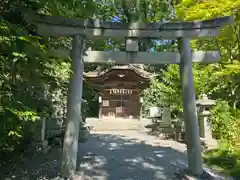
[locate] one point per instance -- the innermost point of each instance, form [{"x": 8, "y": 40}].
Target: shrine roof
[{"x": 144, "y": 74}]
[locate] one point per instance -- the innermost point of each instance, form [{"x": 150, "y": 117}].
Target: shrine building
[{"x": 119, "y": 90}]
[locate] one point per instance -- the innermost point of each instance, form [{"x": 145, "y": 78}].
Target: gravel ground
[{"x": 33, "y": 167}]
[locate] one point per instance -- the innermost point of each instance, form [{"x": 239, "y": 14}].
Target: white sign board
[
  {"x": 120, "y": 91},
  {"x": 155, "y": 111},
  {"x": 105, "y": 103}
]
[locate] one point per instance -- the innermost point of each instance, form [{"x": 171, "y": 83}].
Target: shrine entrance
[
  {"x": 122, "y": 105},
  {"x": 131, "y": 32},
  {"x": 120, "y": 88}
]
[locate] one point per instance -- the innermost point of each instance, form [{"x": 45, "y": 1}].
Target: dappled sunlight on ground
[
  {"x": 113, "y": 157},
  {"x": 127, "y": 153}
]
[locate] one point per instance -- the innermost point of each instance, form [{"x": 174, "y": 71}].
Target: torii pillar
[
  {"x": 189, "y": 108},
  {"x": 74, "y": 106}
]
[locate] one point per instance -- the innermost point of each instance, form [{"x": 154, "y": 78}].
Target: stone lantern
[{"x": 204, "y": 104}]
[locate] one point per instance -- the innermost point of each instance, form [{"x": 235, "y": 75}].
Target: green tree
[
  {"x": 220, "y": 81},
  {"x": 33, "y": 85}
]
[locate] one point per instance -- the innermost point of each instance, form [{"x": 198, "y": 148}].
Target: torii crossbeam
[
  {"x": 60, "y": 26},
  {"x": 80, "y": 29}
]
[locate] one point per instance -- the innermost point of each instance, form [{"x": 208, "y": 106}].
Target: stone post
[
  {"x": 39, "y": 130},
  {"x": 166, "y": 116},
  {"x": 70, "y": 145},
  {"x": 205, "y": 128},
  {"x": 195, "y": 164}
]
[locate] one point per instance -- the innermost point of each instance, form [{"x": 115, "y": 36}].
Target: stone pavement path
[
  {"x": 119, "y": 150},
  {"x": 128, "y": 155}
]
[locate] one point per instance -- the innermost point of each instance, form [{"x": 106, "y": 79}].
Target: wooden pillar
[
  {"x": 100, "y": 107},
  {"x": 100, "y": 111},
  {"x": 189, "y": 107},
  {"x": 141, "y": 107},
  {"x": 70, "y": 145}
]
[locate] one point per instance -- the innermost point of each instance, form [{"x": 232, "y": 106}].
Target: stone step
[{"x": 115, "y": 126}]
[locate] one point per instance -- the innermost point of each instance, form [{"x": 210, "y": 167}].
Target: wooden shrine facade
[{"x": 119, "y": 91}]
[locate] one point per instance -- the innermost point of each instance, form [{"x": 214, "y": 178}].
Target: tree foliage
[
  {"x": 33, "y": 85},
  {"x": 223, "y": 79},
  {"x": 219, "y": 81}
]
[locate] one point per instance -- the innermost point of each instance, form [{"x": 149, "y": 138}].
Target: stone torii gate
[{"x": 81, "y": 29}]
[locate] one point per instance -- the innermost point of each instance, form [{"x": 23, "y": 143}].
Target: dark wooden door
[
  {"x": 122, "y": 106},
  {"x": 121, "y": 112}
]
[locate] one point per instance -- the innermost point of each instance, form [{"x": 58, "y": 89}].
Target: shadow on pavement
[
  {"x": 118, "y": 157},
  {"x": 102, "y": 157}
]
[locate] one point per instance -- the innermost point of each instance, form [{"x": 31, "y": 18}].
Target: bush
[
  {"x": 224, "y": 161},
  {"x": 224, "y": 125},
  {"x": 13, "y": 130}
]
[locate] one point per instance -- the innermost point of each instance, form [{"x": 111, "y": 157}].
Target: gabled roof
[{"x": 144, "y": 74}]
